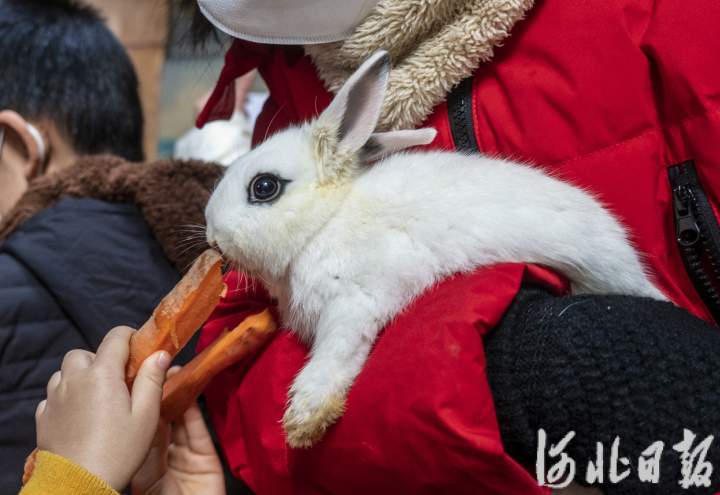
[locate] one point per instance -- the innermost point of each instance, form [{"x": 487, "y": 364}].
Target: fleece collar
[
  {"x": 170, "y": 194},
  {"x": 434, "y": 45}
]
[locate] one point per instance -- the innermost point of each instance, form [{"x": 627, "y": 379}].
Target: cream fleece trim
[{"x": 434, "y": 45}]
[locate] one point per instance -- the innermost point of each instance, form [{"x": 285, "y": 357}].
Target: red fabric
[
  {"x": 296, "y": 94},
  {"x": 420, "y": 417},
  {"x": 606, "y": 95},
  {"x": 239, "y": 60}
]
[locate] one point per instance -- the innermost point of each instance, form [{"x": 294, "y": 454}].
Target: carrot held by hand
[
  {"x": 180, "y": 314},
  {"x": 173, "y": 323},
  {"x": 185, "y": 386}
]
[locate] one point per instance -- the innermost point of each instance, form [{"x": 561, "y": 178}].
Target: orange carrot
[
  {"x": 180, "y": 314},
  {"x": 185, "y": 386}
]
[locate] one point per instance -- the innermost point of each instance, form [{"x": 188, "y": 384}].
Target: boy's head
[{"x": 66, "y": 75}]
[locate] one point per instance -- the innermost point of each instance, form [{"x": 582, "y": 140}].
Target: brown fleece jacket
[{"x": 171, "y": 195}]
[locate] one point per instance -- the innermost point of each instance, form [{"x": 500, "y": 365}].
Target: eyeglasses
[{"x": 2, "y": 139}]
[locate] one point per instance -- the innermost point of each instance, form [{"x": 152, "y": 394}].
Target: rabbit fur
[{"x": 344, "y": 245}]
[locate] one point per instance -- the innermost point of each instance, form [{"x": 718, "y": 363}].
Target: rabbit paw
[{"x": 305, "y": 421}]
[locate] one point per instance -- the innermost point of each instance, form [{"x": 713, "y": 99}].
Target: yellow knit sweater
[{"x": 55, "y": 475}]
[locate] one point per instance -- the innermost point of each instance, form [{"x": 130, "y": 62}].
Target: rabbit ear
[
  {"x": 355, "y": 110},
  {"x": 381, "y": 144}
]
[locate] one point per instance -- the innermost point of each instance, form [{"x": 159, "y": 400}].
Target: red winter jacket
[{"x": 610, "y": 96}]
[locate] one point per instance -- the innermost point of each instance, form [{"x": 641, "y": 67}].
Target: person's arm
[
  {"x": 91, "y": 419},
  {"x": 93, "y": 435},
  {"x": 57, "y": 475},
  {"x": 607, "y": 368},
  {"x": 182, "y": 459}
]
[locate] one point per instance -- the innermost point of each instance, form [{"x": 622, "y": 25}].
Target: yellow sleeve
[{"x": 55, "y": 475}]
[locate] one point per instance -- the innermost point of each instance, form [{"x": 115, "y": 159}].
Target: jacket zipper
[
  {"x": 696, "y": 228},
  {"x": 460, "y": 115},
  {"x": 697, "y": 233}
]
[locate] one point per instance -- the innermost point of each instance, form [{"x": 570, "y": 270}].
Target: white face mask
[{"x": 287, "y": 22}]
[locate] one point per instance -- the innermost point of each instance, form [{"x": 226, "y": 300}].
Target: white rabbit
[{"x": 344, "y": 245}]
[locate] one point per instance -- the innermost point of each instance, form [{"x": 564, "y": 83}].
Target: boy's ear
[
  {"x": 381, "y": 144},
  {"x": 28, "y": 141},
  {"x": 355, "y": 110}
]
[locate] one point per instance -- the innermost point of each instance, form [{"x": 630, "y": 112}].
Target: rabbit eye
[{"x": 265, "y": 188}]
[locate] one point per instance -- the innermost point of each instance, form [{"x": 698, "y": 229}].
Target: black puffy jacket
[{"x": 89, "y": 249}]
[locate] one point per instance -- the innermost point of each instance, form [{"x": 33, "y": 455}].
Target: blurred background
[{"x": 175, "y": 76}]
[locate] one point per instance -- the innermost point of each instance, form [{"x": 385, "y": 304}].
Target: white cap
[{"x": 287, "y": 22}]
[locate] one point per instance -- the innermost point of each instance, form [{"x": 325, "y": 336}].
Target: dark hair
[
  {"x": 201, "y": 30},
  {"x": 59, "y": 61}
]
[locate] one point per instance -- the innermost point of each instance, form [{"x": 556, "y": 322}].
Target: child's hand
[
  {"x": 90, "y": 417},
  {"x": 182, "y": 460}
]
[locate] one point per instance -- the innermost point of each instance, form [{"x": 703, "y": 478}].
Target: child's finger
[
  {"x": 198, "y": 436},
  {"x": 77, "y": 359},
  {"x": 147, "y": 388},
  {"x": 40, "y": 408},
  {"x": 155, "y": 464},
  {"x": 114, "y": 349},
  {"x": 179, "y": 434},
  {"x": 53, "y": 382}
]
